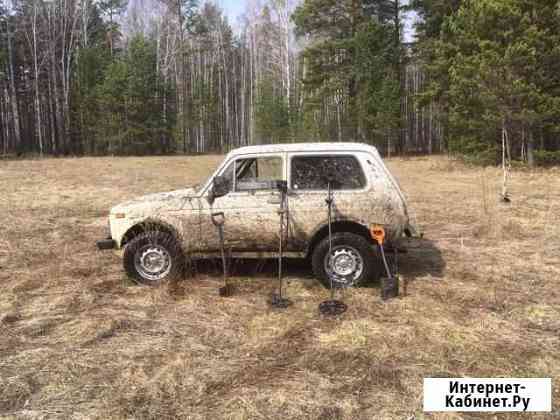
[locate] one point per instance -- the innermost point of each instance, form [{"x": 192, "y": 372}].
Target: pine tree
[
  {"x": 354, "y": 47},
  {"x": 500, "y": 51}
]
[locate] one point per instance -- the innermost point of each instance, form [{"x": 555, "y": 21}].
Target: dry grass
[{"x": 78, "y": 339}]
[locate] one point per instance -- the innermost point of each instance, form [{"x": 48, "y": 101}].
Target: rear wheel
[
  {"x": 152, "y": 258},
  {"x": 351, "y": 262}
]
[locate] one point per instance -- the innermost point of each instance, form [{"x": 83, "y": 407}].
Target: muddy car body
[{"x": 158, "y": 231}]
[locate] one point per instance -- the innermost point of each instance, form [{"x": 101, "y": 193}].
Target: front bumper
[{"x": 106, "y": 244}]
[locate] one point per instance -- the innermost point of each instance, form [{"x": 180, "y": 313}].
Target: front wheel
[
  {"x": 351, "y": 262},
  {"x": 152, "y": 258}
]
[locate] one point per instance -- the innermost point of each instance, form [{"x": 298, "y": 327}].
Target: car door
[
  {"x": 309, "y": 176},
  {"x": 250, "y": 208}
]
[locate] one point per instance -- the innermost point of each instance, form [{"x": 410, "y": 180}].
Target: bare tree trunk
[
  {"x": 506, "y": 160},
  {"x": 51, "y": 115},
  {"x": 226, "y": 83},
  {"x": 430, "y": 130},
  {"x": 252, "y": 78},
  {"x": 181, "y": 71},
  {"x": 531, "y": 149},
  {"x": 4, "y": 119},
  {"x": 58, "y": 106},
  {"x": 399, "y": 66},
  {"x": 38, "y": 127},
  {"x": 242, "y": 136},
  {"x": 339, "y": 117},
  {"x": 70, "y": 12},
  {"x": 13, "y": 93}
]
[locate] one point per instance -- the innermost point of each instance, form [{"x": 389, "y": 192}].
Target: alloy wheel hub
[
  {"x": 345, "y": 265},
  {"x": 153, "y": 262}
]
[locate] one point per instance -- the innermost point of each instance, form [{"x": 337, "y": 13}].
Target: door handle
[{"x": 274, "y": 199}]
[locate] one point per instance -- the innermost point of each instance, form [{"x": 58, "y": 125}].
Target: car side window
[
  {"x": 253, "y": 174},
  {"x": 344, "y": 172}
]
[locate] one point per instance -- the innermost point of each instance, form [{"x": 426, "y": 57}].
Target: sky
[{"x": 234, "y": 9}]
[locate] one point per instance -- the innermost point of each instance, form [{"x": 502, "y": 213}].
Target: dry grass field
[{"x": 80, "y": 340}]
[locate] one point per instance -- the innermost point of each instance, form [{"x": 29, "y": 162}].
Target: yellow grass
[{"x": 77, "y": 338}]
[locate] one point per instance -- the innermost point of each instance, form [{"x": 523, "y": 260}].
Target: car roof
[{"x": 305, "y": 147}]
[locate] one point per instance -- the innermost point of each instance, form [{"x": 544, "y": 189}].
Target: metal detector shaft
[
  {"x": 331, "y": 307},
  {"x": 223, "y": 251},
  {"x": 218, "y": 219},
  {"x": 329, "y": 218},
  {"x": 389, "y": 284},
  {"x": 278, "y": 300},
  {"x": 281, "y": 245}
]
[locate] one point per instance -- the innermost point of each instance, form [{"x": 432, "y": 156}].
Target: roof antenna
[
  {"x": 278, "y": 300},
  {"x": 331, "y": 307}
]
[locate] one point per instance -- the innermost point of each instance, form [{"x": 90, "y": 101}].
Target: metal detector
[
  {"x": 331, "y": 307},
  {"x": 278, "y": 300},
  {"x": 389, "y": 284},
  {"x": 218, "y": 219}
]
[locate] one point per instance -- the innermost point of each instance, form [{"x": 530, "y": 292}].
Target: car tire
[
  {"x": 357, "y": 261},
  {"x": 153, "y": 258}
]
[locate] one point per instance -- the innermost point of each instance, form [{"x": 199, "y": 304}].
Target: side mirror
[{"x": 220, "y": 187}]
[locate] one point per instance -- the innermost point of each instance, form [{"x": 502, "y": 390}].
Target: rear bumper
[{"x": 106, "y": 244}]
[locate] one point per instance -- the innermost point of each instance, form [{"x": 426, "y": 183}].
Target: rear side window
[{"x": 315, "y": 172}]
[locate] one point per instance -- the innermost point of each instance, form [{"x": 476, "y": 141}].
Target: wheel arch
[
  {"x": 337, "y": 227},
  {"x": 149, "y": 225}
]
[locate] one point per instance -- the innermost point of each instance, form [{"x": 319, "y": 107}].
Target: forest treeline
[{"x": 95, "y": 77}]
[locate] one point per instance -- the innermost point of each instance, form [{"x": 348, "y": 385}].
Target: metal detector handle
[
  {"x": 378, "y": 234},
  {"x": 282, "y": 188},
  {"x": 218, "y": 219},
  {"x": 389, "y": 274}
]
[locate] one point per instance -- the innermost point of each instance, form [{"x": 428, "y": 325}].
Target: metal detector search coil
[{"x": 332, "y": 308}]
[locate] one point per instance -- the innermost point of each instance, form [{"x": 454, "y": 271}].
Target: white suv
[{"x": 160, "y": 231}]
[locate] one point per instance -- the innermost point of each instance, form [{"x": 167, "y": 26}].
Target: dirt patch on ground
[{"x": 78, "y": 339}]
